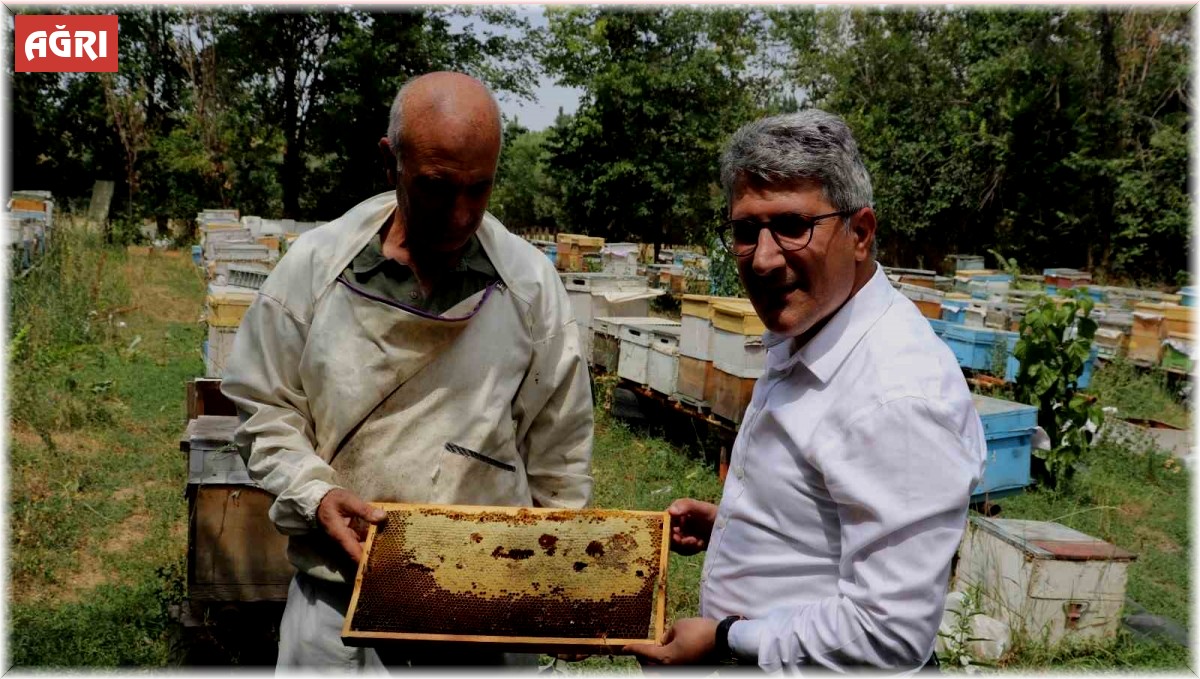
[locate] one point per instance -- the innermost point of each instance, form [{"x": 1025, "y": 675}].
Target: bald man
[{"x": 410, "y": 351}]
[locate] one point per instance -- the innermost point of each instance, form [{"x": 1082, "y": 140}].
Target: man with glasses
[{"x": 851, "y": 474}]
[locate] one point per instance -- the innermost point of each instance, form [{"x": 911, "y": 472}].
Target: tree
[
  {"x": 1052, "y": 135},
  {"x": 524, "y": 195},
  {"x": 663, "y": 90}
]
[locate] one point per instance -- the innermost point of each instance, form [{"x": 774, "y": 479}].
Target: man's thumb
[{"x": 372, "y": 514}]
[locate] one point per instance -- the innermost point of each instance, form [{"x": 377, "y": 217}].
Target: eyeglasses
[{"x": 792, "y": 232}]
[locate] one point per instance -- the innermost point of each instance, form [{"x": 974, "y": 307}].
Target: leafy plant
[
  {"x": 1013, "y": 269},
  {"x": 1054, "y": 346}
]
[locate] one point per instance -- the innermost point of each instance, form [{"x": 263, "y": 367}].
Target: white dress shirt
[{"x": 847, "y": 493}]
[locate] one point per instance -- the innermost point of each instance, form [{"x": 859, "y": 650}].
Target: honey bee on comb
[{"x": 502, "y": 576}]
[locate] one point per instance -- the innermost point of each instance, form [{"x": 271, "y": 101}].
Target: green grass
[
  {"x": 97, "y": 514},
  {"x": 1138, "y": 393},
  {"x": 1139, "y": 502}
]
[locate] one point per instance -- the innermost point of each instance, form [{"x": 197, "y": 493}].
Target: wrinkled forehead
[{"x": 460, "y": 141}]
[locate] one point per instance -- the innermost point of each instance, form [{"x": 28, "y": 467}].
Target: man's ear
[
  {"x": 862, "y": 226},
  {"x": 389, "y": 160}
]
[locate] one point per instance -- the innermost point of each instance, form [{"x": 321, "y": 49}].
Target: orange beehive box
[{"x": 520, "y": 579}]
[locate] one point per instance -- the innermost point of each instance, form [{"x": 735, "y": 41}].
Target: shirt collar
[
  {"x": 371, "y": 258},
  {"x": 825, "y": 352}
]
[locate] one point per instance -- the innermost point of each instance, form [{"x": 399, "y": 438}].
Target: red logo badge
[{"x": 59, "y": 43}]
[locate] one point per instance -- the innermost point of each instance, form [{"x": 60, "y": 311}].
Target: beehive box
[
  {"x": 606, "y": 338},
  {"x": 534, "y": 580},
  {"x": 1145, "y": 341},
  {"x": 633, "y": 363},
  {"x": 664, "y": 359},
  {"x": 694, "y": 379},
  {"x": 227, "y": 304},
  {"x": 1178, "y": 350},
  {"x": 1176, "y": 318},
  {"x": 928, "y": 309},
  {"x": 696, "y": 313},
  {"x": 1008, "y": 429},
  {"x": 1187, "y": 296},
  {"x": 218, "y": 349},
  {"x": 1048, "y": 582},
  {"x": 729, "y": 395},
  {"x": 965, "y": 262},
  {"x": 737, "y": 347},
  {"x": 973, "y": 347},
  {"x": 234, "y": 551}
]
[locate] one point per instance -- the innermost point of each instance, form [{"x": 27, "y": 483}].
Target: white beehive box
[
  {"x": 1046, "y": 581},
  {"x": 664, "y": 358},
  {"x": 602, "y": 282},
  {"x": 606, "y": 338},
  {"x": 601, "y": 295},
  {"x": 738, "y": 355},
  {"x": 696, "y": 316},
  {"x": 634, "y": 361},
  {"x": 220, "y": 347}
]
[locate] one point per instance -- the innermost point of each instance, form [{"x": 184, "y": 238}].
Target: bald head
[
  {"x": 444, "y": 145},
  {"x": 444, "y": 107}
]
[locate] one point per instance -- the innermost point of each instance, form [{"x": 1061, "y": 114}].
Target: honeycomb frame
[{"x": 606, "y": 567}]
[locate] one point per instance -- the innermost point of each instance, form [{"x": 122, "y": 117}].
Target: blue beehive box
[
  {"x": 552, "y": 252},
  {"x": 197, "y": 254},
  {"x": 939, "y": 327},
  {"x": 954, "y": 312},
  {"x": 973, "y": 346},
  {"x": 1187, "y": 296},
  {"x": 1008, "y": 428}
]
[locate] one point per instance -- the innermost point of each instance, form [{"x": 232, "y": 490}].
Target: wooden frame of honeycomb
[{"x": 510, "y": 578}]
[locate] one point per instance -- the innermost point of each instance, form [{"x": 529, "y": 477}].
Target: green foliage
[
  {"x": 524, "y": 196},
  {"x": 663, "y": 89},
  {"x": 1056, "y": 135},
  {"x": 1138, "y": 393},
  {"x": 1055, "y": 342}
]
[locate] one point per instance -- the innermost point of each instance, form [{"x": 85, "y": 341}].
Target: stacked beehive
[
  {"x": 601, "y": 295},
  {"x": 573, "y": 249}
]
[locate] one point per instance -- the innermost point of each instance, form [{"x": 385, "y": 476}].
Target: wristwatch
[{"x": 721, "y": 651}]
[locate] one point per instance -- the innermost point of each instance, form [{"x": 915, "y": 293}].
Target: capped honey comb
[{"x": 521, "y": 578}]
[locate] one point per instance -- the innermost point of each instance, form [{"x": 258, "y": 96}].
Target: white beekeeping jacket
[{"x": 338, "y": 388}]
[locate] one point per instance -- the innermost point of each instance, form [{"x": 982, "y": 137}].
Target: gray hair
[
  {"x": 396, "y": 120},
  {"x": 809, "y": 145}
]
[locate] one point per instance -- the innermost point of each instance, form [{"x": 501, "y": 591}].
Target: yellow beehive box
[
  {"x": 737, "y": 316},
  {"x": 575, "y": 242},
  {"x": 695, "y": 305},
  {"x": 1176, "y": 318},
  {"x": 1145, "y": 341},
  {"x": 513, "y": 578},
  {"x": 226, "y": 307}
]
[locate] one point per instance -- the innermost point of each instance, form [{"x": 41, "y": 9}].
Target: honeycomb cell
[{"x": 511, "y": 576}]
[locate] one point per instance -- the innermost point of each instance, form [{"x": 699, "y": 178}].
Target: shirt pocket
[{"x": 479, "y": 475}]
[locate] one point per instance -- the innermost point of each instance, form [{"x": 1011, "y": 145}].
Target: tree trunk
[{"x": 291, "y": 151}]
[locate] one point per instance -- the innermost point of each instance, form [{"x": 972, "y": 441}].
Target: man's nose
[{"x": 767, "y": 254}]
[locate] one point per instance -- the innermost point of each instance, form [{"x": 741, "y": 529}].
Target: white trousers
[{"x": 310, "y": 638}]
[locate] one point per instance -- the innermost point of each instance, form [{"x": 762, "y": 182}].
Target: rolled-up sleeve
[
  {"x": 902, "y": 484},
  {"x": 276, "y": 436}
]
